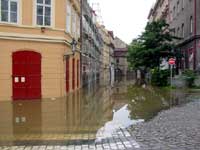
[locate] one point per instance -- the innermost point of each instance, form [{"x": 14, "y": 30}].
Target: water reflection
[{"x": 90, "y": 114}]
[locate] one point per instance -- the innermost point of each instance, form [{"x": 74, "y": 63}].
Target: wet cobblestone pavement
[{"x": 173, "y": 129}]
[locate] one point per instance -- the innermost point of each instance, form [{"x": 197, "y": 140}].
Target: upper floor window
[
  {"x": 191, "y": 24},
  {"x": 68, "y": 17},
  {"x": 182, "y": 30},
  {"x": 178, "y": 32},
  {"x": 44, "y": 10},
  {"x": 74, "y": 22},
  {"x": 171, "y": 16},
  {"x": 9, "y": 11},
  {"x": 174, "y": 12},
  {"x": 183, "y": 4},
  {"x": 178, "y": 7}
]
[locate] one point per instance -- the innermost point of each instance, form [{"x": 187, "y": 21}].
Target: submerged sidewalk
[{"x": 174, "y": 129}]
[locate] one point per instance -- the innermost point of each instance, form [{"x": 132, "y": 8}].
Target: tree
[{"x": 155, "y": 43}]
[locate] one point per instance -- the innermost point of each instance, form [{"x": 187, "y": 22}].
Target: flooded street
[{"x": 84, "y": 117}]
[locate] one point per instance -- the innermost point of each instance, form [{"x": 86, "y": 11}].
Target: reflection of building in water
[{"x": 72, "y": 118}]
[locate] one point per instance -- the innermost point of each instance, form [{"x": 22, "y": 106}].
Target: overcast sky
[{"x": 126, "y": 18}]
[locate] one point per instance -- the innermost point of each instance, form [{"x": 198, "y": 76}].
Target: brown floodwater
[{"x": 82, "y": 115}]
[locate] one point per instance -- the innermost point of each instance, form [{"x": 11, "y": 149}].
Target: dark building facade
[{"x": 185, "y": 23}]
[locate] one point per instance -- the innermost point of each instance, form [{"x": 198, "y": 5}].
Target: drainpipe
[
  {"x": 195, "y": 32},
  {"x": 81, "y": 41}
]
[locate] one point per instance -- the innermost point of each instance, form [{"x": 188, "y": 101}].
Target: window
[
  {"x": 183, "y": 4},
  {"x": 178, "y": 30},
  {"x": 78, "y": 26},
  {"x": 73, "y": 22},
  {"x": 171, "y": 16},
  {"x": 43, "y": 10},
  {"x": 9, "y": 11},
  {"x": 117, "y": 61},
  {"x": 178, "y": 7},
  {"x": 182, "y": 30},
  {"x": 191, "y": 24},
  {"x": 174, "y": 12},
  {"x": 68, "y": 17}
]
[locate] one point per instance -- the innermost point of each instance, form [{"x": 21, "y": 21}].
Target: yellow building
[{"x": 36, "y": 57}]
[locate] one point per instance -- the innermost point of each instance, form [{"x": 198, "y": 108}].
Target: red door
[
  {"x": 26, "y": 75},
  {"x": 73, "y": 73},
  {"x": 67, "y": 75}
]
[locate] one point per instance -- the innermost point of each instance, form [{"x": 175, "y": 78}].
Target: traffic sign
[{"x": 172, "y": 61}]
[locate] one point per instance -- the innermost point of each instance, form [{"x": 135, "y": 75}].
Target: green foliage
[
  {"x": 189, "y": 76},
  {"x": 160, "y": 77},
  {"x": 151, "y": 46}
]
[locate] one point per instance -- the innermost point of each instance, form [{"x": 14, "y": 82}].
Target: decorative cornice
[{"x": 35, "y": 38}]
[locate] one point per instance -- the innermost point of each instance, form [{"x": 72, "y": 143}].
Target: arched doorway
[{"x": 26, "y": 70}]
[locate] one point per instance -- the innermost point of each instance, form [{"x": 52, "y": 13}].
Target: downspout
[
  {"x": 195, "y": 32},
  {"x": 81, "y": 41}
]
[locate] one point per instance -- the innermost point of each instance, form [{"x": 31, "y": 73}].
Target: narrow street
[
  {"x": 123, "y": 117},
  {"x": 99, "y": 75}
]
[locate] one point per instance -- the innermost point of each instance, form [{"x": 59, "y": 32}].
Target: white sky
[{"x": 126, "y": 18}]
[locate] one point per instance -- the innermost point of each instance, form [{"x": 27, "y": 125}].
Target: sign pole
[
  {"x": 171, "y": 62},
  {"x": 171, "y": 74}
]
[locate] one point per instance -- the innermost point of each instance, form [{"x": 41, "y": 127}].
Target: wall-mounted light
[{"x": 73, "y": 47}]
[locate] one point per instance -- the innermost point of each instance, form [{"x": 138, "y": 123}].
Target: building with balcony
[{"x": 40, "y": 52}]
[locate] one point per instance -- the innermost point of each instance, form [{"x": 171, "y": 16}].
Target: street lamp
[{"x": 73, "y": 46}]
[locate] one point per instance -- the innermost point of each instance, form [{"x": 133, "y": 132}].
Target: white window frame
[
  {"x": 78, "y": 26},
  {"x": 68, "y": 17},
  {"x": 73, "y": 22},
  {"x": 51, "y": 17},
  {"x": 18, "y": 12}
]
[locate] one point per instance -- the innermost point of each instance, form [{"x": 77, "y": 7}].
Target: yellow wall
[
  {"x": 53, "y": 67},
  {"x": 53, "y": 43}
]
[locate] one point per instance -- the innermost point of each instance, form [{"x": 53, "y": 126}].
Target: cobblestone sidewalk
[{"x": 174, "y": 129}]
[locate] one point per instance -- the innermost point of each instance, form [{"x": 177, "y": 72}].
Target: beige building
[
  {"x": 120, "y": 55},
  {"x": 36, "y": 57},
  {"x": 107, "y": 59}
]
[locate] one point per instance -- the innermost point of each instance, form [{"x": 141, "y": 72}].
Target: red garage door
[{"x": 26, "y": 75}]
